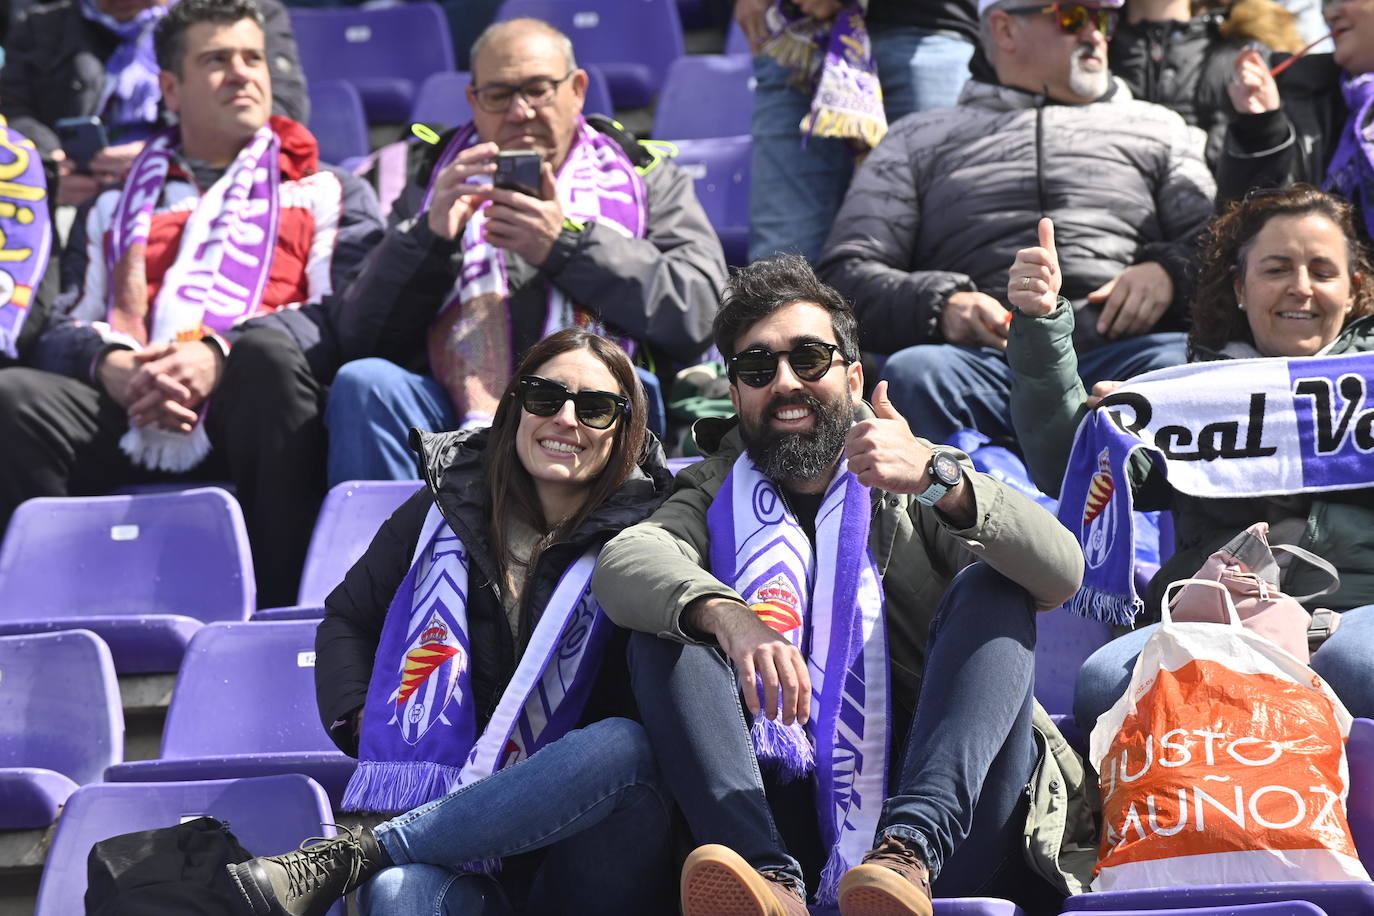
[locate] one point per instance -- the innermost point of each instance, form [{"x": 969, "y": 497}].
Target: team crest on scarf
[
  {"x": 1099, "y": 513},
  {"x": 777, "y": 604},
  {"x": 430, "y": 672}
]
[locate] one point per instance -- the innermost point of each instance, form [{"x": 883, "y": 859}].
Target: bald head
[{"x": 499, "y": 35}]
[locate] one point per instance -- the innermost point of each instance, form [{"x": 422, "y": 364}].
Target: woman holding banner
[
  {"x": 466, "y": 664},
  {"x": 1284, "y": 278}
]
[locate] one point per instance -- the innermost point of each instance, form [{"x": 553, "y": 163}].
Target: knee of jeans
[
  {"x": 625, "y": 748},
  {"x": 920, "y": 371},
  {"x": 982, "y": 587}
]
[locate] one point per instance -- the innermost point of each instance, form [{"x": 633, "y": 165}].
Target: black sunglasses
[
  {"x": 597, "y": 409},
  {"x": 756, "y": 366},
  {"x": 1073, "y": 16}
]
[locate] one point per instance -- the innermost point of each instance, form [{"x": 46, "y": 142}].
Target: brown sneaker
[
  {"x": 716, "y": 881},
  {"x": 891, "y": 881}
]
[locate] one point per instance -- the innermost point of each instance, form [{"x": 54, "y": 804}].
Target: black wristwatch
[{"x": 945, "y": 474}]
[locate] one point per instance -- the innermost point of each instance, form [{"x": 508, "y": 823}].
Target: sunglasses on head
[
  {"x": 597, "y": 409},
  {"x": 810, "y": 362},
  {"x": 1073, "y": 16}
]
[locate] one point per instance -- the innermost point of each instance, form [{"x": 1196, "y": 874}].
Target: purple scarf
[
  {"x": 25, "y": 233},
  {"x": 130, "y": 96},
  {"x": 829, "y": 603},
  {"x": 1351, "y": 173}
]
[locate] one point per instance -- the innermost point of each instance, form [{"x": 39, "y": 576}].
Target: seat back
[
  {"x": 246, "y": 688},
  {"x": 349, "y": 518},
  {"x": 1359, "y": 750},
  {"x": 338, "y": 121},
  {"x": 1281, "y": 908},
  {"x": 387, "y": 52},
  {"x": 59, "y": 704},
  {"x": 632, "y": 42},
  {"x": 706, "y": 95},
  {"x": 269, "y": 815},
  {"x": 181, "y": 553},
  {"x": 720, "y": 168}
]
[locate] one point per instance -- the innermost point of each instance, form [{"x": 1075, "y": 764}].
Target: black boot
[{"x": 308, "y": 881}]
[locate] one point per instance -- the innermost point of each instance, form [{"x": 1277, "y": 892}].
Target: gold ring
[{"x": 1025, "y": 282}]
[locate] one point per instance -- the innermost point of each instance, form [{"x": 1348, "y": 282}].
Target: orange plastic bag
[{"x": 1224, "y": 763}]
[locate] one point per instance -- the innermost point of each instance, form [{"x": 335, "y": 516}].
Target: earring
[{"x": 1240, "y": 305}]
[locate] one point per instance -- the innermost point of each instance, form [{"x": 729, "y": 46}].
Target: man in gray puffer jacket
[{"x": 935, "y": 216}]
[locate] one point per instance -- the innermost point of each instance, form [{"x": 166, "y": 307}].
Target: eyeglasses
[
  {"x": 597, "y": 409},
  {"x": 1073, "y": 16},
  {"x": 495, "y": 98},
  {"x": 757, "y": 365}
]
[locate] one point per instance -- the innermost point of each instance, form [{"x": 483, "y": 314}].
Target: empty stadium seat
[
  {"x": 244, "y": 705},
  {"x": 1282, "y": 908},
  {"x": 1347, "y": 898},
  {"x": 735, "y": 40},
  {"x": 338, "y": 122},
  {"x": 1359, "y": 751},
  {"x": 720, "y": 168},
  {"x": 632, "y": 42},
  {"x": 442, "y": 98},
  {"x": 143, "y": 572},
  {"x": 706, "y": 95},
  {"x": 61, "y": 723},
  {"x": 385, "y": 52},
  {"x": 269, "y": 815}
]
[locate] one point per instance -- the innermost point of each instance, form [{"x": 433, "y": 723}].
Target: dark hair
[
  {"x": 756, "y": 291},
  {"x": 512, "y": 491},
  {"x": 1227, "y": 243},
  {"x": 169, "y": 39}
]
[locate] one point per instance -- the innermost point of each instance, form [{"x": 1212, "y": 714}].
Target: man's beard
[
  {"x": 799, "y": 456},
  {"x": 1085, "y": 83}
]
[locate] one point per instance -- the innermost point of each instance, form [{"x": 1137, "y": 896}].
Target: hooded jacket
[
  {"x": 454, "y": 479},
  {"x": 949, "y": 196}
]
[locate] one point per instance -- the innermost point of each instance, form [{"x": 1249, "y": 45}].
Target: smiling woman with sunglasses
[{"x": 466, "y": 640}]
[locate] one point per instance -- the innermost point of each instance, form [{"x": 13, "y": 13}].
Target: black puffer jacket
[
  {"x": 1183, "y": 66},
  {"x": 346, "y": 642},
  {"x": 55, "y": 68}
]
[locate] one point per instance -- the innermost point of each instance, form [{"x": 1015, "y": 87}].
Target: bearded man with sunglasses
[
  {"x": 474, "y": 268},
  {"x": 936, "y": 214},
  {"x": 822, "y": 563}
]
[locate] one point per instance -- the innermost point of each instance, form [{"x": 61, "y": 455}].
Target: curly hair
[{"x": 1228, "y": 240}]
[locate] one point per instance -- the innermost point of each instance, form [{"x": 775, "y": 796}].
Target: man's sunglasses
[
  {"x": 810, "y": 362},
  {"x": 597, "y": 409},
  {"x": 1073, "y": 16}
]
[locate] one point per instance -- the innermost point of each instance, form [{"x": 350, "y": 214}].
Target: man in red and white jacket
[{"x": 180, "y": 350}]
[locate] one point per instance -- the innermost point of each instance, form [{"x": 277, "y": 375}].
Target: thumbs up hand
[
  {"x": 884, "y": 453},
  {"x": 1034, "y": 279}
]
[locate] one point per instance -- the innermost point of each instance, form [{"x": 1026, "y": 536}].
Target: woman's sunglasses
[
  {"x": 597, "y": 409},
  {"x": 756, "y": 366},
  {"x": 1073, "y": 16}
]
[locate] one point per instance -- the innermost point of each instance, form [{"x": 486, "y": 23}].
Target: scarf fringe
[
  {"x": 1099, "y": 604},
  {"x": 160, "y": 450},
  {"x": 844, "y": 125},
  {"x": 795, "y": 50},
  {"x": 828, "y": 894},
  {"x": 398, "y": 785},
  {"x": 784, "y": 747}
]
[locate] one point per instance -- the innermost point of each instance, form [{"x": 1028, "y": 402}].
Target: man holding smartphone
[{"x": 492, "y": 248}]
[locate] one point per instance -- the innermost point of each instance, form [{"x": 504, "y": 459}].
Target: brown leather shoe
[
  {"x": 891, "y": 881},
  {"x": 716, "y": 881}
]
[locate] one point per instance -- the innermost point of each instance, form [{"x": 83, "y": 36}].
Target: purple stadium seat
[
  {"x": 720, "y": 167},
  {"x": 1359, "y": 750},
  {"x": 1349, "y": 898},
  {"x": 338, "y": 122},
  {"x": 61, "y": 723},
  {"x": 244, "y": 705},
  {"x": 442, "y": 98},
  {"x": 269, "y": 815},
  {"x": 677, "y": 464},
  {"x": 706, "y": 95},
  {"x": 1063, "y": 640},
  {"x": 143, "y": 572},
  {"x": 632, "y": 42},
  {"x": 386, "y": 52},
  {"x": 952, "y": 906},
  {"x": 735, "y": 41},
  {"x": 1281, "y": 908}
]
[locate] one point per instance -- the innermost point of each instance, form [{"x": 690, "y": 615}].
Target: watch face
[{"x": 945, "y": 468}]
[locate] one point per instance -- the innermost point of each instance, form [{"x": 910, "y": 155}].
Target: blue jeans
[
  {"x": 587, "y": 802},
  {"x": 941, "y": 388},
  {"x": 960, "y": 795},
  {"x": 1344, "y": 660},
  {"x": 373, "y": 403},
  {"x": 796, "y": 189}
]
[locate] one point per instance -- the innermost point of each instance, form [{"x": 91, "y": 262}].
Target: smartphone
[
  {"x": 81, "y": 139},
  {"x": 519, "y": 170}
]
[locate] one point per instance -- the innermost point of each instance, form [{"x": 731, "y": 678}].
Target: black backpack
[{"x": 173, "y": 870}]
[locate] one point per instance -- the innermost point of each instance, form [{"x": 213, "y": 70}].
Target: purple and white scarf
[
  {"x": 1351, "y": 173},
  {"x": 219, "y": 276},
  {"x": 829, "y": 603},
  {"x": 832, "y": 60},
  {"x": 470, "y": 350},
  {"x": 130, "y": 96},
  {"x": 419, "y": 737},
  {"x": 25, "y": 233}
]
